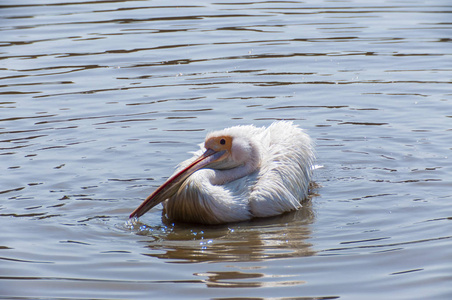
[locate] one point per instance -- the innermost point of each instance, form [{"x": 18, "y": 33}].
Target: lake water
[{"x": 99, "y": 101}]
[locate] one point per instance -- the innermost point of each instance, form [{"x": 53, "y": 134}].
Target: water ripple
[{"x": 101, "y": 99}]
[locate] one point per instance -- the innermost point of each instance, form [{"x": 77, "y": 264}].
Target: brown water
[{"x": 99, "y": 100}]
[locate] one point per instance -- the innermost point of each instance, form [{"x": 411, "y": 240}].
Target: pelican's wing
[{"x": 285, "y": 171}]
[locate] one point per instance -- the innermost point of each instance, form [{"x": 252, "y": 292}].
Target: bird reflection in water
[
  {"x": 257, "y": 242},
  {"x": 260, "y": 239}
]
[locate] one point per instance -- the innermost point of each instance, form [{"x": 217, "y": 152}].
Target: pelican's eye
[{"x": 222, "y": 141}]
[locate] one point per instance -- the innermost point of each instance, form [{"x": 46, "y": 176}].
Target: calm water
[{"x": 99, "y": 100}]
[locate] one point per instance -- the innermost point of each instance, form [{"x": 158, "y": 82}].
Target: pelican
[{"x": 240, "y": 173}]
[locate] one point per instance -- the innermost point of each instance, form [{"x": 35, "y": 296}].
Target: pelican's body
[{"x": 239, "y": 173}]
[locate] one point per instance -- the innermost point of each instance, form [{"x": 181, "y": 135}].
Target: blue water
[{"x": 99, "y": 101}]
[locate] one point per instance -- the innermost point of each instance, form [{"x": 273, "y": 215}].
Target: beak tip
[{"x": 134, "y": 215}]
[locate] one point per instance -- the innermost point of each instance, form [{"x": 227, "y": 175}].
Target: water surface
[{"x": 100, "y": 100}]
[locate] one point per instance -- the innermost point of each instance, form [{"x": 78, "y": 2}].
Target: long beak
[{"x": 172, "y": 185}]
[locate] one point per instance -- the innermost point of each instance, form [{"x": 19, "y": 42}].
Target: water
[{"x": 100, "y": 100}]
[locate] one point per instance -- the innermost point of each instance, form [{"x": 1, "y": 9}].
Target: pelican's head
[
  {"x": 233, "y": 150},
  {"x": 222, "y": 151},
  {"x": 221, "y": 146},
  {"x": 218, "y": 143}
]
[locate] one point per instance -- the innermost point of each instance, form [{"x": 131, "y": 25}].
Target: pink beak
[{"x": 172, "y": 185}]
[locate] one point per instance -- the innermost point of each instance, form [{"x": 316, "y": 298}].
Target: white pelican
[{"x": 239, "y": 173}]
